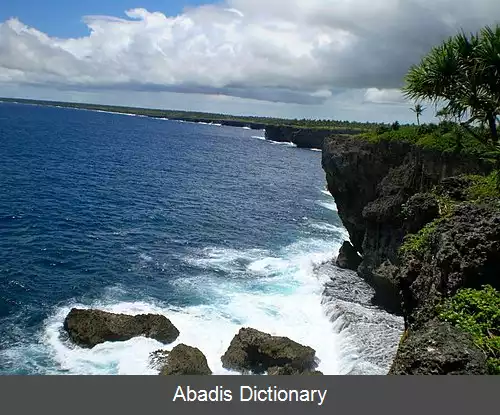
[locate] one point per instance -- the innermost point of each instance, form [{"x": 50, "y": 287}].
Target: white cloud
[
  {"x": 384, "y": 96},
  {"x": 294, "y": 51}
]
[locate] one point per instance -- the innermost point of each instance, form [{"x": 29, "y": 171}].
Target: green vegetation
[
  {"x": 461, "y": 76},
  {"x": 446, "y": 205},
  {"x": 483, "y": 188},
  {"x": 478, "y": 313},
  {"x": 480, "y": 189},
  {"x": 419, "y": 242},
  {"x": 462, "y": 73},
  {"x": 444, "y": 137}
]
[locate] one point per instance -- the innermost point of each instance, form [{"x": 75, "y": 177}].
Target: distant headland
[{"x": 304, "y": 133}]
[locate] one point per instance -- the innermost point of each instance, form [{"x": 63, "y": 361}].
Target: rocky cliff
[
  {"x": 304, "y": 137},
  {"x": 388, "y": 190}
]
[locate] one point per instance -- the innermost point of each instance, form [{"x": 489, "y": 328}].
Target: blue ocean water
[{"x": 212, "y": 226}]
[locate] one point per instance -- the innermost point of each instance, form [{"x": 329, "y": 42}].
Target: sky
[{"x": 323, "y": 59}]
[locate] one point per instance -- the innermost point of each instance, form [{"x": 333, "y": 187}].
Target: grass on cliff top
[
  {"x": 484, "y": 188},
  {"x": 478, "y": 313},
  {"x": 445, "y": 137}
]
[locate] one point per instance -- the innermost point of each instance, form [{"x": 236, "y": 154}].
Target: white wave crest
[
  {"x": 283, "y": 143},
  {"x": 280, "y": 295},
  {"x": 328, "y": 205}
]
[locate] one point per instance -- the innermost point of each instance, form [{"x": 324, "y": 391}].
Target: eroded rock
[
  {"x": 181, "y": 360},
  {"x": 463, "y": 252},
  {"x": 371, "y": 184},
  {"x": 88, "y": 328},
  {"x": 348, "y": 258},
  {"x": 254, "y": 351},
  {"x": 288, "y": 370},
  {"x": 438, "y": 349}
]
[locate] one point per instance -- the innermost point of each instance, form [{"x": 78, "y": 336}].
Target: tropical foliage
[
  {"x": 446, "y": 136},
  {"x": 463, "y": 74}
]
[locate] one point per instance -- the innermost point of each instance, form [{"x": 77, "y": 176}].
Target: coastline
[
  {"x": 412, "y": 214},
  {"x": 372, "y": 183},
  {"x": 276, "y": 130}
]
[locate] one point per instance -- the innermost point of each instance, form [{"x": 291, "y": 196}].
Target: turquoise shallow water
[{"x": 212, "y": 226}]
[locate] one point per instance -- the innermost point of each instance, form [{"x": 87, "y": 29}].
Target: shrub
[
  {"x": 425, "y": 129},
  {"x": 419, "y": 242},
  {"x": 484, "y": 188},
  {"x": 395, "y": 126},
  {"x": 478, "y": 313},
  {"x": 445, "y": 143},
  {"x": 382, "y": 129}
]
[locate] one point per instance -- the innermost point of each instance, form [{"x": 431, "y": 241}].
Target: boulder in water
[
  {"x": 256, "y": 352},
  {"x": 288, "y": 370},
  {"x": 181, "y": 360},
  {"x": 88, "y": 328}
]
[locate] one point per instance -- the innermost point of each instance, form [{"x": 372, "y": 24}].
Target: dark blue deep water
[{"x": 212, "y": 226}]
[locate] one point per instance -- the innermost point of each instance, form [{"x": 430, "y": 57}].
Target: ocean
[{"x": 212, "y": 226}]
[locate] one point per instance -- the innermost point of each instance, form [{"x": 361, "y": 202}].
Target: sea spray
[{"x": 203, "y": 225}]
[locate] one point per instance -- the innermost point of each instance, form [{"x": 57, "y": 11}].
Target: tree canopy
[{"x": 464, "y": 74}]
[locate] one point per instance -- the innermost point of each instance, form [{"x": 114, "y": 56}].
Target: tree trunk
[{"x": 492, "y": 121}]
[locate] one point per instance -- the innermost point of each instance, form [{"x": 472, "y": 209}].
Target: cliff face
[
  {"x": 303, "y": 137},
  {"x": 462, "y": 252},
  {"x": 382, "y": 194},
  {"x": 370, "y": 183}
]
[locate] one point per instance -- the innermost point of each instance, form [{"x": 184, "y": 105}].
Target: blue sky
[
  {"x": 63, "y": 18},
  {"x": 340, "y": 59}
]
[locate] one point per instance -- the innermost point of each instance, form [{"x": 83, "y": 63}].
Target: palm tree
[
  {"x": 464, "y": 73},
  {"x": 418, "y": 109}
]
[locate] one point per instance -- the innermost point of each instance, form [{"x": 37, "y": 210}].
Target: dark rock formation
[
  {"x": 438, "y": 349},
  {"x": 181, "y": 360},
  {"x": 454, "y": 187},
  {"x": 304, "y": 137},
  {"x": 88, "y": 328},
  {"x": 371, "y": 183},
  {"x": 418, "y": 211},
  {"x": 256, "y": 352},
  {"x": 464, "y": 252},
  {"x": 348, "y": 258},
  {"x": 387, "y": 190},
  {"x": 229, "y": 123},
  {"x": 288, "y": 370}
]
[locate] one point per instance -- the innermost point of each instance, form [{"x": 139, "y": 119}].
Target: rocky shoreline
[
  {"x": 387, "y": 192},
  {"x": 305, "y": 137},
  {"x": 415, "y": 237},
  {"x": 250, "y": 352}
]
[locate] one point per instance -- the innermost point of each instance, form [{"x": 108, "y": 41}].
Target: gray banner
[{"x": 249, "y": 395}]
